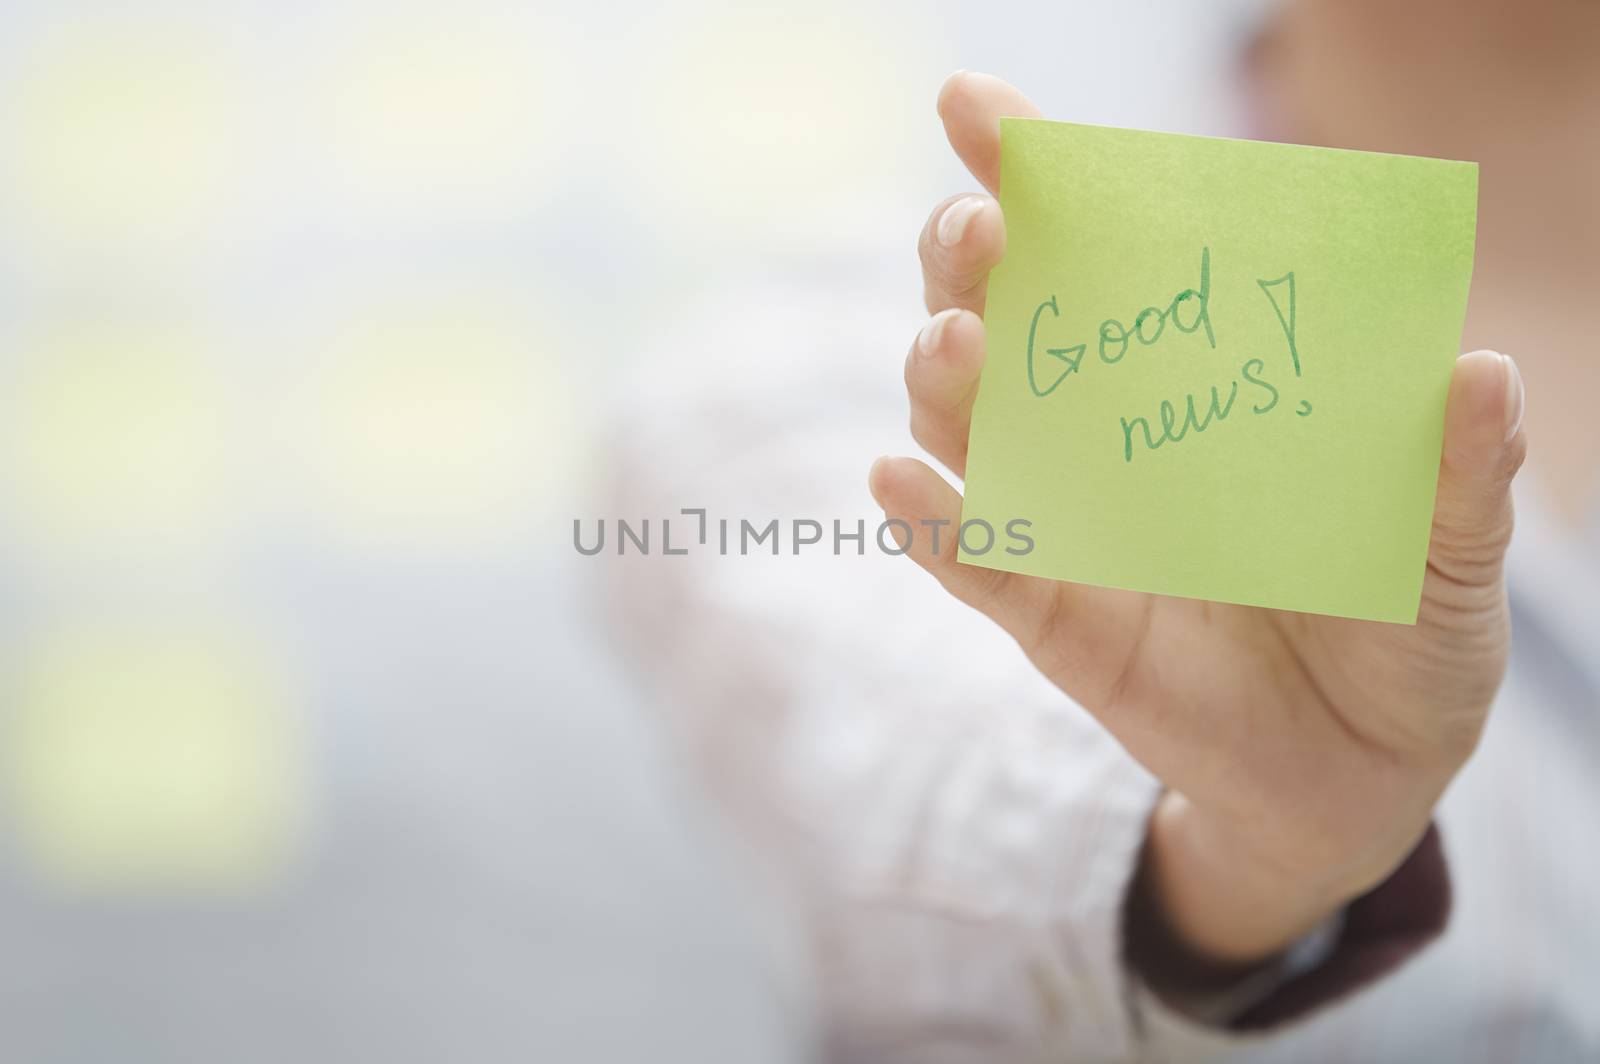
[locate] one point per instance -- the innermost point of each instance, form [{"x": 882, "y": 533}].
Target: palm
[{"x": 1327, "y": 708}]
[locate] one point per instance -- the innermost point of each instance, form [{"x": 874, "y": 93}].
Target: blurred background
[{"x": 314, "y": 320}]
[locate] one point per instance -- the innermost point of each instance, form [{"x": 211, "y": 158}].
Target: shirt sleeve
[
  {"x": 1372, "y": 937},
  {"x": 1380, "y": 931}
]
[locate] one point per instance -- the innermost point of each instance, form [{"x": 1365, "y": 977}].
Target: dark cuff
[{"x": 1382, "y": 930}]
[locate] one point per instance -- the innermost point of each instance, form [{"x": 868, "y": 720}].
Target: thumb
[{"x": 1483, "y": 449}]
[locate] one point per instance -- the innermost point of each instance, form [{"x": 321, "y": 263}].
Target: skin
[{"x": 1302, "y": 755}]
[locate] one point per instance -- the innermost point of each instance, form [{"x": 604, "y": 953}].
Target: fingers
[
  {"x": 971, "y": 106},
  {"x": 1483, "y": 448},
  {"x": 911, "y": 492},
  {"x": 965, "y": 237},
  {"x": 942, "y": 371},
  {"x": 1085, "y": 640},
  {"x": 963, "y": 240}
]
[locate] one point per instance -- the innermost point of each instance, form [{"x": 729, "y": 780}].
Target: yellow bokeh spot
[
  {"x": 124, "y": 133},
  {"x": 781, "y": 123},
  {"x": 431, "y": 112},
  {"x": 140, "y": 760},
  {"x": 442, "y": 424},
  {"x": 116, "y": 439}
]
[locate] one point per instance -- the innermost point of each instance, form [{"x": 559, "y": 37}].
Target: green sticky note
[{"x": 1218, "y": 368}]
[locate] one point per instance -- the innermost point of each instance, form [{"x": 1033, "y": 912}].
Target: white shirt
[{"x": 952, "y": 834}]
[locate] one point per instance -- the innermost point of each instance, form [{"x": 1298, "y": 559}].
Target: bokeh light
[
  {"x": 114, "y": 438},
  {"x": 150, "y": 759},
  {"x": 434, "y": 422},
  {"x": 122, "y": 139},
  {"x": 312, "y": 318},
  {"x": 426, "y": 116},
  {"x": 784, "y": 125}
]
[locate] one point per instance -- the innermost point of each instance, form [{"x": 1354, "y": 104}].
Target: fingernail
[
  {"x": 1514, "y": 397},
  {"x": 953, "y": 223},
  {"x": 928, "y": 338}
]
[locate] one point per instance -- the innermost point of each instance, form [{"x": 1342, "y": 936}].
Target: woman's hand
[{"x": 1303, "y": 754}]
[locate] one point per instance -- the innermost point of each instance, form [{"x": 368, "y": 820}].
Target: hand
[{"x": 1303, "y": 755}]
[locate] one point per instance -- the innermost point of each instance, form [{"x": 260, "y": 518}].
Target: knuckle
[
  {"x": 959, "y": 284},
  {"x": 1470, "y": 553},
  {"x": 946, "y": 282},
  {"x": 982, "y": 589},
  {"x": 919, "y": 426},
  {"x": 932, "y": 433}
]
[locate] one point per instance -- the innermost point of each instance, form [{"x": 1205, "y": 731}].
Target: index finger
[{"x": 971, "y": 106}]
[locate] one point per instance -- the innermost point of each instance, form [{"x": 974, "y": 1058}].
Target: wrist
[{"x": 1222, "y": 897}]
